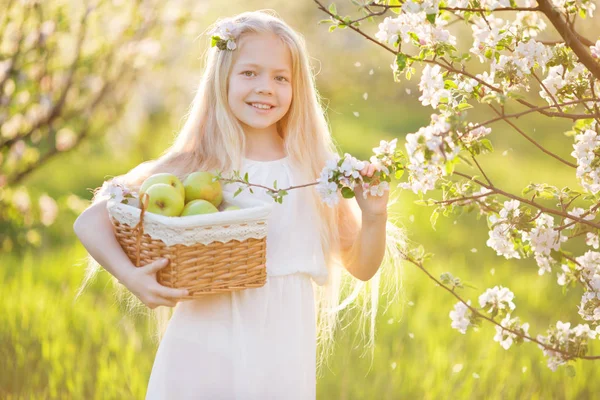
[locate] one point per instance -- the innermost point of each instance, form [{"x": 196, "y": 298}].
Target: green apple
[
  {"x": 163, "y": 177},
  {"x": 164, "y": 199},
  {"x": 231, "y": 208},
  {"x": 196, "y": 207},
  {"x": 199, "y": 186}
]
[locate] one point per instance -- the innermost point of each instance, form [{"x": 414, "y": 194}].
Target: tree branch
[{"x": 571, "y": 38}]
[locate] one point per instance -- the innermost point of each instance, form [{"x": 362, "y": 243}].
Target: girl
[{"x": 256, "y": 111}]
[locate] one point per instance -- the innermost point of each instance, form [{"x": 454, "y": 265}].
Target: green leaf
[
  {"x": 465, "y": 160},
  {"x": 396, "y": 10},
  {"x": 464, "y": 106},
  {"x": 333, "y": 9},
  {"x": 414, "y": 37},
  {"x": 488, "y": 98},
  {"x": 546, "y": 194},
  {"x": 347, "y": 193},
  {"x": 487, "y": 144},
  {"x": 401, "y": 61},
  {"x": 246, "y": 177},
  {"x": 515, "y": 95},
  {"x": 237, "y": 192},
  {"x": 449, "y": 83},
  {"x": 275, "y": 184},
  {"x": 583, "y": 123},
  {"x": 431, "y": 18},
  {"x": 446, "y": 278},
  {"x": 332, "y": 28}
]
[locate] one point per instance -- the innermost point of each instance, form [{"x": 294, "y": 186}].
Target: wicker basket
[{"x": 210, "y": 253}]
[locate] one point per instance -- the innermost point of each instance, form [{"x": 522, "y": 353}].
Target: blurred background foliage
[{"x": 86, "y": 94}]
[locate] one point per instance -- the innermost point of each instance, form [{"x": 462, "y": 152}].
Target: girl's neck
[{"x": 265, "y": 144}]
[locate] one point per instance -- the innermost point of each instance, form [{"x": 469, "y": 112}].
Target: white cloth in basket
[{"x": 255, "y": 343}]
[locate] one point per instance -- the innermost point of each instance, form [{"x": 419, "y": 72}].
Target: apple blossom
[
  {"x": 505, "y": 337},
  {"x": 460, "y": 318},
  {"x": 498, "y": 299}
]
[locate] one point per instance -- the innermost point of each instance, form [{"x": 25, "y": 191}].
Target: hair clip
[{"x": 223, "y": 36}]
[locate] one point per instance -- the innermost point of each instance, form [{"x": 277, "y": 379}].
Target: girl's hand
[
  {"x": 143, "y": 284},
  {"x": 372, "y": 205}
]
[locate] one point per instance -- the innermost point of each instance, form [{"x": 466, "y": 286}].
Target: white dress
[{"x": 254, "y": 343}]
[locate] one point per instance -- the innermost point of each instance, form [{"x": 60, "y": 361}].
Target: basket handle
[{"x": 139, "y": 228}]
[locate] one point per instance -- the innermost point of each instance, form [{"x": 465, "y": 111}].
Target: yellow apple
[
  {"x": 163, "y": 177},
  {"x": 196, "y": 207},
  {"x": 164, "y": 199},
  {"x": 199, "y": 186}
]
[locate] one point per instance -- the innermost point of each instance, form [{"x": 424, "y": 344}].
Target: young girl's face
[{"x": 261, "y": 75}]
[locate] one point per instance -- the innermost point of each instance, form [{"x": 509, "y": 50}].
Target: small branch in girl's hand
[
  {"x": 277, "y": 194},
  {"x": 342, "y": 175}
]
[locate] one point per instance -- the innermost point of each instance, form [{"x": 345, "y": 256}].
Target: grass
[{"x": 52, "y": 347}]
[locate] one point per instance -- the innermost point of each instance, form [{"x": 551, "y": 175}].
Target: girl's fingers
[
  {"x": 365, "y": 170},
  {"x": 156, "y": 265},
  {"x": 171, "y": 293},
  {"x": 371, "y": 169},
  {"x": 166, "y": 302}
]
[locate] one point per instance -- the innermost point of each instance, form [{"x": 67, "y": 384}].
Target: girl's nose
[
  {"x": 264, "y": 90},
  {"x": 264, "y": 87}
]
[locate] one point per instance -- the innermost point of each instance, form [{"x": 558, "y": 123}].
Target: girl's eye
[
  {"x": 284, "y": 79},
  {"x": 245, "y": 73}
]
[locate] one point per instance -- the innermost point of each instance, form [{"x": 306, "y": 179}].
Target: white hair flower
[{"x": 224, "y": 35}]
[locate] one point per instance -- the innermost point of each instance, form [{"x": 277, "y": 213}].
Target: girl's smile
[{"x": 262, "y": 108}]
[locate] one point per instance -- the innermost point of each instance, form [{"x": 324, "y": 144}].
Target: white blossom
[
  {"x": 432, "y": 86},
  {"x": 530, "y": 22},
  {"x": 486, "y": 36},
  {"x": 498, "y": 299},
  {"x": 595, "y": 49},
  {"x": 475, "y": 134},
  {"x": 578, "y": 212},
  {"x": 500, "y": 237},
  {"x": 586, "y": 144},
  {"x": 505, "y": 337},
  {"x": 591, "y": 239},
  {"x": 544, "y": 263},
  {"x": 543, "y": 237},
  {"x": 459, "y": 317},
  {"x": 428, "y": 150},
  {"x": 329, "y": 192}
]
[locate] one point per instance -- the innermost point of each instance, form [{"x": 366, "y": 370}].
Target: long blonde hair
[{"x": 213, "y": 139}]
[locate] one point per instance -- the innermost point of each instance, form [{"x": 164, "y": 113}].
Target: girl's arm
[
  {"x": 368, "y": 249},
  {"x": 95, "y": 231}
]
